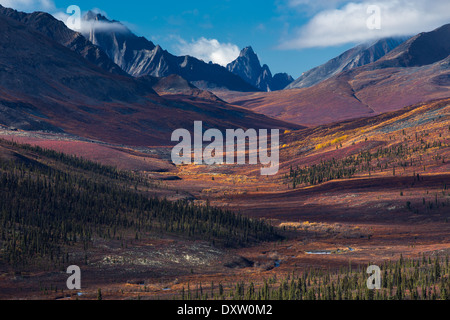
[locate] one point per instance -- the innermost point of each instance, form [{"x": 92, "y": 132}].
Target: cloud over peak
[
  {"x": 348, "y": 24},
  {"x": 209, "y": 50}
]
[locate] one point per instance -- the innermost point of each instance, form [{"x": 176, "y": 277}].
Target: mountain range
[
  {"x": 358, "y": 56},
  {"x": 140, "y": 57},
  {"x": 415, "y": 71},
  {"x": 56, "y": 79},
  {"x": 47, "y": 84}
]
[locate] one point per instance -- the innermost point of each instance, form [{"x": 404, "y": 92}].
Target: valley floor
[{"x": 395, "y": 205}]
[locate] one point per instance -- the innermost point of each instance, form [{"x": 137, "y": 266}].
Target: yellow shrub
[{"x": 332, "y": 142}]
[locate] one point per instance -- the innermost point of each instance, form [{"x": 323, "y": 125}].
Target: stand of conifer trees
[
  {"x": 404, "y": 279},
  {"x": 383, "y": 159},
  {"x": 47, "y": 209}
]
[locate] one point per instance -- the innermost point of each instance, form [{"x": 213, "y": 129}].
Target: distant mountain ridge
[
  {"x": 57, "y": 31},
  {"x": 248, "y": 67},
  {"x": 176, "y": 85},
  {"x": 416, "y": 71},
  {"x": 45, "y": 85},
  {"x": 356, "y": 57},
  {"x": 423, "y": 49},
  {"x": 140, "y": 57}
]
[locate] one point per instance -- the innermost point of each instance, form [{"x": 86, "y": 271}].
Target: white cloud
[
  {"x": 29, "y": 5},
  {"x": 348, "y": 24},
  {"x": 209, "y": 50},
  {"x": 86, "y": 26},
  {"x": 101, "y": 26},
  {"x": 49, "y": 6}
]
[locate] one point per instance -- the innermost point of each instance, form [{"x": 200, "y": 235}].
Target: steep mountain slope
[
  {"x": 248, "y": 67},
  {"x": 140, "y": 57},
  {"x": 410, "y": 74},
  {"x": 358, "y": 56},
  {"x": 46, "y": 86},
  {"x": 57, "y": 31},
  {"x": 424, "y": 49}
]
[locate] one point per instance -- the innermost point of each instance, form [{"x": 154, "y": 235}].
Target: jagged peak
[
  {"x": 96, "y": 16},
  {"x": 249, "y": 68},
  {"x": 248, "y": 52},
  {"x": 248, "y": 56},
  {"x": 158, "y": 49}
]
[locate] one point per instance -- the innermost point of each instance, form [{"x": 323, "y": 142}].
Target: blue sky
[{"x": 290, "y": 36}]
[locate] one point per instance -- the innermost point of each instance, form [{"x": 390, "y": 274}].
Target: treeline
[
  {"x": 45, "y": 212},
  {"x": 405, "y": 279},
  {"x": 383, "y": 159},
  {"x": 74, "y": 161},
  {"x": 323, "y": 172}
]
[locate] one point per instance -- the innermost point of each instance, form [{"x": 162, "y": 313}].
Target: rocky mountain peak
[
  {"x": 424, "y": 49},
  {"x": 138, "y": 57},
  {"x": 94, "y": 16},
  {"x": 248, "y": 52},
  {"x": 248, "y": 67}
]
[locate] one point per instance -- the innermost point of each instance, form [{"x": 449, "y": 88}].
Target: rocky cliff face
[
  {"x": 141, "y": 57},
  {"x": 248, "y": 67}
]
